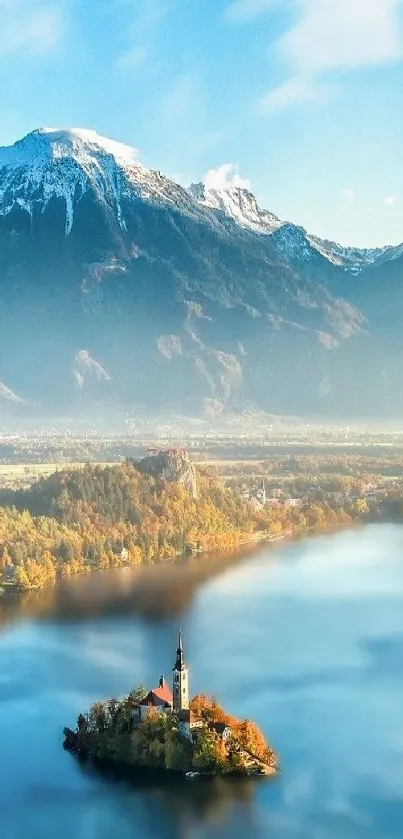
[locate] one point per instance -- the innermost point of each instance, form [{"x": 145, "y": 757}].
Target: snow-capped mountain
[
  {"x": 8, "y": 395},
  {"x": 51, "y": 163},
  {"x": 190, "y": 298},
  {"x": 355, "y": 258},
  {"x": 238, "y": 204}
]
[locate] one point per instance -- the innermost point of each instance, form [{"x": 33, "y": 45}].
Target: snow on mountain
[
  {"x": 237, "y": 203},
  {"x": 86, "y": 367},
  {"x": 8, "y": 395},
  {"x": 224, "y": 191},
  {"x": 52, "y": 163},
  {"x": 65, "y": 164},
  {"x": 194, "y": 299},
  {"x": 80, "y": 144},
  {"x": 354, "y": 258}
]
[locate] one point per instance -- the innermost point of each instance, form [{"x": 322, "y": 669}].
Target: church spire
[
  {"x": 180, "y": 680},
  {"x": 179, "y": 663}
]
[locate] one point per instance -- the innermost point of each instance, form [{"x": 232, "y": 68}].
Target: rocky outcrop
[{"x": 171, "y": 465}]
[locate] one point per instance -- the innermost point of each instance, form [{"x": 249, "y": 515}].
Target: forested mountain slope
[{"x": 120, "y": 288}]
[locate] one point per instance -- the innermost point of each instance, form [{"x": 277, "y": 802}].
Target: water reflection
[
  {"x": 208, "y": 800},
  {"x": 307, "y": 641},
  {"x": 154, "y": 592}
]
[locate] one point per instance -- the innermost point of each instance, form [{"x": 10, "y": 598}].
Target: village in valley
[{"x": 165, "y": 729}]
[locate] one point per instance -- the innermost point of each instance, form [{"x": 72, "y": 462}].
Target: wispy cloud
[
  {"x": 348, "y": 193},
  {"x": 390, "y": 200},
  {"x": 29, "y": 28},
  {"x": 183, "y": 93},
  {"x": 182, "y": 102},
  {"x": 332, "y": 36},
  {"x": 340, "y": 34},
  {"x": 225, "y": 176},
  {"x": 145, "y": 17},
  {"x": 133, "y": 57},
  {"x": 293, "y": 91},
  {"x": 248, "y": 9}
]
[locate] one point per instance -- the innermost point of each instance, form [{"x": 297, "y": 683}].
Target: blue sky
[{"x": 303, "y": 97}]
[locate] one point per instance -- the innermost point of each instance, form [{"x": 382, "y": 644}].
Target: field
[{"x": 19, "y": 475}]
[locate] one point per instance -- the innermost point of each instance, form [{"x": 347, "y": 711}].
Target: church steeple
[
  {"x": 180, "y": 680},
  {"x": 179, "y": 653}
]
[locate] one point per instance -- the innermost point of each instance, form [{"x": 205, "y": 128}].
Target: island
[{"x": 166, "y": 730}]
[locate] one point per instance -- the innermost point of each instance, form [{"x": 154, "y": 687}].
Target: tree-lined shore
[
  {"x": 100, "y": 517},
  {"x": 110, "y": 732}
]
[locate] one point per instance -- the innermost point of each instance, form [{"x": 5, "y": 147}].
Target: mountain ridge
[
  {"x": 119, "y": 285},
  {"x": 84, "y": 147}
]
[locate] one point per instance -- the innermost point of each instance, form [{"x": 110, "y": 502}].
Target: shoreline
[
  {"x": 138, "y": 774},
  {"x": 197, "y": 561},
  {"x": 15, "y": 589}
]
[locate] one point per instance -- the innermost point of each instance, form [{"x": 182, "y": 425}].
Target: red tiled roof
[
  {"x": 158, "y": 696},
  {"x": 164, "y": 693}
]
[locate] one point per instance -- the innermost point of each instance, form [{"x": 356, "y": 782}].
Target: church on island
[
  {"x": 175, "y": 700},
  {"x": 166, "y": 729}
]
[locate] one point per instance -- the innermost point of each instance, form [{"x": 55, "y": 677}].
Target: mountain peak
[
  {"x": 65, "y": 163},
  {"x": 68, "y": 164},
  {"x": 56, "y": 143},
  {"x": 237, "y": 202}
]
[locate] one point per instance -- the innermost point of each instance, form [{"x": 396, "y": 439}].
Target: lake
[{"x": 306, "y": 638}]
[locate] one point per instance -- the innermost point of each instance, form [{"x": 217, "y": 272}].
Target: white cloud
[
  {"x": 390, "y": 200},
  {"x": 348, "y": 193},
  {"x": 290, "y": 93},
  {"x": 119, "y": 150},
  {"x": 248, "y": 9},
  {"x": 225, "y": 176},
  {"x": 335, "y": 35},
  {"x": 29, "y": 28},
  {"x": 339, "y": 34}
]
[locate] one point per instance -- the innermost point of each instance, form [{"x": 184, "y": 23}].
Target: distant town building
[
  {"x": 255, "y": 504},
  {"x": 222, "y": 729}
]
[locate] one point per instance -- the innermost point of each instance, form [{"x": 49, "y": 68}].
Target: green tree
[
  {"x": 207, "y": 754},
  {"x": 138, "y": 693}
]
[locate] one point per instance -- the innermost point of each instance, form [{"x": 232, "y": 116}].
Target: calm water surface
[{"x": 307, "y": 640}]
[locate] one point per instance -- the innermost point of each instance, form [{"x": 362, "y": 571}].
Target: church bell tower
[{"x": 180, "y": 681}]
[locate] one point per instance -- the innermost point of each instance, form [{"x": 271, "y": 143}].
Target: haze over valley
[
  {"x": 201, "y": 419},
  {"x": 123, "y": 291}
]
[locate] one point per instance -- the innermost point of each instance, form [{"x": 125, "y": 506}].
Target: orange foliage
[
  {"x": 77, "y": 520},
  {"x": 246, "y": 732},
  {"x": 251, "y": 738}
]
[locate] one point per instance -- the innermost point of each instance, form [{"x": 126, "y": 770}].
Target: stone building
[
  {"x": 180, "y": 680},
  {"x": 158, "y": 699},
  {"x": 176, "y": 701}
]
